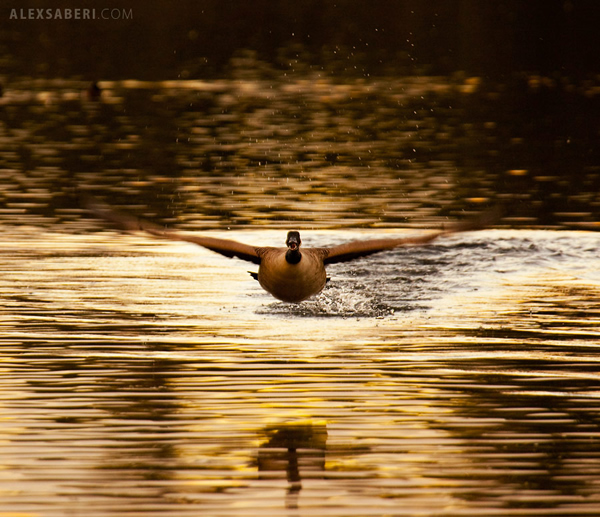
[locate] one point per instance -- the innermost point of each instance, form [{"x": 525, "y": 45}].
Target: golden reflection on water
[
  {"x": 315, "y": 152},
  {"x": 145, "y": 377}
]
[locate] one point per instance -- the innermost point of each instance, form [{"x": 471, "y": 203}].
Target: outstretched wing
[
  {"x": 129, "y": 222},
  {"x": 357, "y": 249}
]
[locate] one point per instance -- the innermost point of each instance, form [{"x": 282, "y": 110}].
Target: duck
[{"x": 292, "y": 273}]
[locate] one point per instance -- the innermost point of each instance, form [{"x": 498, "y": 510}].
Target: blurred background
[{"x": 221, "y": 114}]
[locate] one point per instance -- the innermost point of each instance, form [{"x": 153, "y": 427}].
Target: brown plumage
[{"x": 288, "y": 273}]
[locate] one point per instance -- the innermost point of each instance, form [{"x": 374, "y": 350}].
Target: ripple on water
[{"x": 147, "y": 378}]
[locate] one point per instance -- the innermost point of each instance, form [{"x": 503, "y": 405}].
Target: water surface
[
  {"x": 152, "y": 378},
  {"x": 156, "y": 378}
]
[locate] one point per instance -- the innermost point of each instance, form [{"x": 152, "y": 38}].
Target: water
[
  {"x": 151, "y": 378},
  {"x": 142, "y": 377},
  {"x": 309, "y": 152}
]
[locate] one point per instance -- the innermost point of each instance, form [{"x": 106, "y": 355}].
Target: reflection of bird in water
[
  {"x": 290, "y": 274},
  {"x": 296, "y": 449},
  {"x": 93, "y": 92}
]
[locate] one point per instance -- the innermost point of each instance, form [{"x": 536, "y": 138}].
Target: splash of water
[{"x": 337, "y": 301}]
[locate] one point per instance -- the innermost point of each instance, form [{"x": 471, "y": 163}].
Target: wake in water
[
  {"x": 337, "y": 301},
  {"x": 402, "y": 280},
  {"x": 413, "y": 279},
  {"x": 363, "y": 294}
]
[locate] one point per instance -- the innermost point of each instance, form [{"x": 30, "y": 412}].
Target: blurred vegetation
[{"x": 198, "y": 39}]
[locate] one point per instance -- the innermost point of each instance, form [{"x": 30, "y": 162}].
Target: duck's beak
[{"x": 293, "y": 242}]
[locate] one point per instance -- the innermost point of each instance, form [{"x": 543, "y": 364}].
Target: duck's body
[
  {"x": 295, "y": 280},
  {"x": 290, "y": 274}
]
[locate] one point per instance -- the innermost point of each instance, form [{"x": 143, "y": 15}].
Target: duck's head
[{"x": 293, "y": 242}]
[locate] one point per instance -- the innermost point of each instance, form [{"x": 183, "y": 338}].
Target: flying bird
[{"x": 291, "y": 273}]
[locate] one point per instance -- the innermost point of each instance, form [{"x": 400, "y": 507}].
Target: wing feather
[
  {"x": 226, "y": 247},
  {"x": 357, "y": 249}
]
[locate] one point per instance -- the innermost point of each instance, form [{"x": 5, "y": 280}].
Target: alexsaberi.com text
[{"x": 71, "y": 14}]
